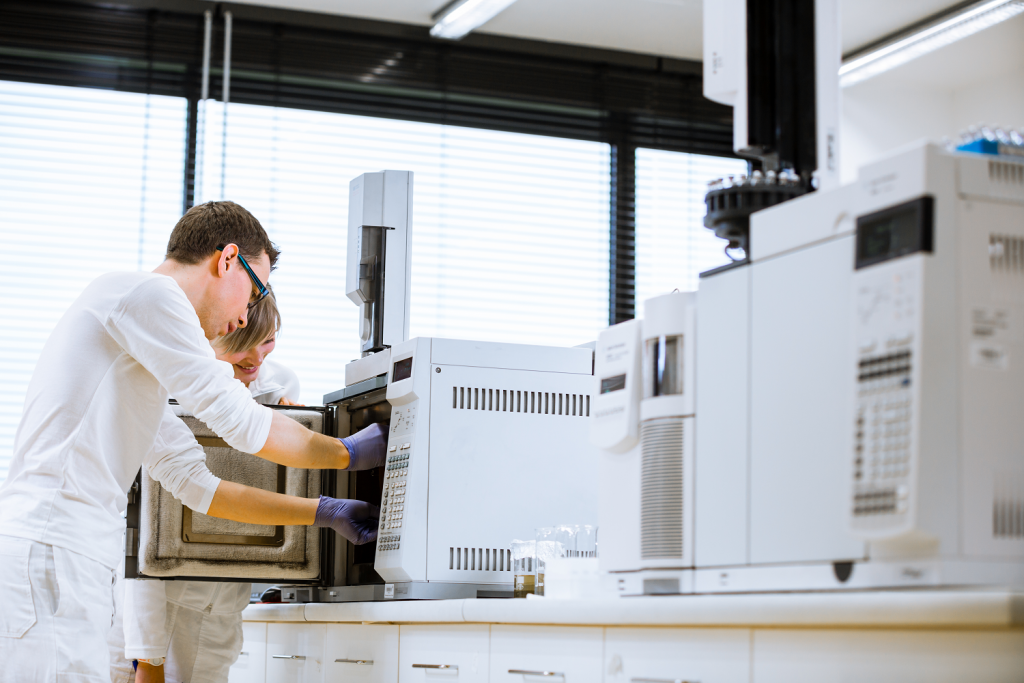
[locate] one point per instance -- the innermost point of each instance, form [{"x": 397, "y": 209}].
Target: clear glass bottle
[{"x": 524, "y": 556}]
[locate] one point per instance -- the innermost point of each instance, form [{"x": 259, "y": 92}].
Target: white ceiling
[
  {"x": 995, "y": 53},
  {"x": 668, "y": 28}
]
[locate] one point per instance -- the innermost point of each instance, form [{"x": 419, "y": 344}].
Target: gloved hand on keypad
[
  {"x": 356, "y": 520},
  {"x": 367, "y": 448}
]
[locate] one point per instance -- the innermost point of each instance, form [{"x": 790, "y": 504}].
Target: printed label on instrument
[
  {"x": 990, "y": 324},
  {"x": 990, "y": 356},
  {"x": 389, "y": 591}
]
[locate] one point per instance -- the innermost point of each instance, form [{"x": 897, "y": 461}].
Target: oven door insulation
[{"x": 177, "y": 542}]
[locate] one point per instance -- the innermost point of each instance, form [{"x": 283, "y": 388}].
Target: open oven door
[
  {"x": 358, "y": 406},
  {"x": 166, "y": 540}
]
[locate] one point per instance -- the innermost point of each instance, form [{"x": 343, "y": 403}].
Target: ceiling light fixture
[
  {"x": 942, "y": 29},
  {"x": 459, "y": 17}
]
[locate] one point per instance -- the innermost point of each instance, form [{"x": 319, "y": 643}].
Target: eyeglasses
[{"x": 261, "y": 290}]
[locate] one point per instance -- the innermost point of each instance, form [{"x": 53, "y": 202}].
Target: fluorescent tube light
[
  {"x": 944, "y": 29},
  {"x": 459, "y": 17}
]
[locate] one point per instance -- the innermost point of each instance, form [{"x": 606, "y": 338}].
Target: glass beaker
[
  {"x": 552, "y": 542},
  {"x": 586, "y": 541},
  {"x": 524, "y": 555}
]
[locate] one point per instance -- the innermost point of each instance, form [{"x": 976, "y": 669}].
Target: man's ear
[{"x": 226, "y": 259}]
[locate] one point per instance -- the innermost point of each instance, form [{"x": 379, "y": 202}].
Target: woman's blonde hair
[{"x": 264, "y": 319}]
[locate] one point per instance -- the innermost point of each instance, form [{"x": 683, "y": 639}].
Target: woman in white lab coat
[{"x": 191, "y": 631}]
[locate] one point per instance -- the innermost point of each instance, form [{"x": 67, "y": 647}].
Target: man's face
[{"x": 225, "y": 306}]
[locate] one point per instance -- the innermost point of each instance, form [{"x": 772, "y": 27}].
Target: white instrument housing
[
  {"x": 488, "y": 441},
  {"x": 937, "y": 463},
  {"x": 381, "y": 200},
  {"x": 615, "y": 430}
]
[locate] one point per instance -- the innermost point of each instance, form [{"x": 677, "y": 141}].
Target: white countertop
[{"x": 920, "y": 609}]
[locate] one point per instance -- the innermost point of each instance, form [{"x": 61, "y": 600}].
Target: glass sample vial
[
  {"x": 586, "y": 541},
  {"x": 524, "y": 554}
]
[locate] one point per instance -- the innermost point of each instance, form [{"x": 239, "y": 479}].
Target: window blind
[
  {"x": 672, "y": 245},
  {"x": 510, "y": 231},
  {"x": 303, "y": 60},
  {"x": 91, "y": 183}
]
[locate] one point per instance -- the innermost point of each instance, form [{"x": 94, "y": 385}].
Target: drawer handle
[
  {"x": 445, "y": 667},
  {"x": 524, "y": 672},
  {"x": 367, "y": 662},
  {"x": 661, "y": 680},
  {"x": 301, "y": 657}
]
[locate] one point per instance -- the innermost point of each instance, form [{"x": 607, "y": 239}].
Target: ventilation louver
[
  {"x": 1006, "y": 253},
  {"x": 1008, "y": 506},
  {"x": 1005, "y": 172},
  {"x": 517, "y": 401},
  {"x": 661, "y": 489},
  {"x": 480, "y": 559}
]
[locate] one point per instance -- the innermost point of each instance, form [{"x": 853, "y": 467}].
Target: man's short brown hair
[{"x": 207, "y": 226}]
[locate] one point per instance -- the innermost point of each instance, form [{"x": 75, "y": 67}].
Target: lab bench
[{"x": 881, "y": 636}]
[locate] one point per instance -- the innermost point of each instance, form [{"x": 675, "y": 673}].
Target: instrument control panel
[
  {"x": 888, "y": 313},
  {"x": 399, "y": 454}
]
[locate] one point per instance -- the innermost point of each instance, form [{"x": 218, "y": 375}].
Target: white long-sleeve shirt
[
  {"x": 146, "y": 602},
  {"x": 95, "y": 404}
]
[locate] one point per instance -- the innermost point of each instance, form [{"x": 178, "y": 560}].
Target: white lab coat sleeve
[
  {"x": 178, "y": 462},
  {"x": 289, "y": 380},
  {"x": 145, "y": 619},
  {"x": 156, "y": 325},
  {"x": 279, "y": 382}
]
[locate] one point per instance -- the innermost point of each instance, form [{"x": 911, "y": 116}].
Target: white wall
[{"x": 977, "y": 80}]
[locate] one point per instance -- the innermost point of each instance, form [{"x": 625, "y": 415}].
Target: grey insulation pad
[{"x": 163, "y": 553}]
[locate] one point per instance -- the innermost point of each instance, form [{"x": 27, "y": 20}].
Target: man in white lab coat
[{"x": 94, "y": 406}]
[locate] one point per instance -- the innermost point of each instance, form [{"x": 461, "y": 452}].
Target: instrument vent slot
[
  {"x": 661, "y": 489},
  {"x": 1005, "y": 172},
  {"x": 1008, "y": 506},
  {"x": 1006, "y": 253},
  {"x": 480, "y": 559},
  {"x": 519, "y": 401}
]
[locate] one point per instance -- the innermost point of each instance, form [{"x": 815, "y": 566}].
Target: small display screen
[
  {"x": 402, "y": 370},
  {"x": 610, "y": 384},
  {"x": 894, "y": 232}
]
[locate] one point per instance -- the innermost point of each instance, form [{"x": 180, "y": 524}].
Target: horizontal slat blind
[
  {"x": 510, "y": 231},
  {"x": 672, "y": 245},
  {"x": 90, "y": 182},
  {"x": 336, "y": 64}
]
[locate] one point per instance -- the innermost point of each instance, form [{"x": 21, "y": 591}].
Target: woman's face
[{"x": 246, "y": 364}]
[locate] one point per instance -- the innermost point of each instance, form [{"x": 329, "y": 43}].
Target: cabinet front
[
  {"x": 532, "y": 654},
  {"x": 251, "y": 665},
  {"x": 361, "y": 653},
  {"x": 443, "y": 653},
  {"x": 655, "y": 655},
  {"x": 295, "y": 653},
  {"x": 839, "y": 656}
]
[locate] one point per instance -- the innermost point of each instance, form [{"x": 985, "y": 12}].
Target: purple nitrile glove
[
  {"x": 367, "y": 448},
  {"x": 354, "y": 519}
]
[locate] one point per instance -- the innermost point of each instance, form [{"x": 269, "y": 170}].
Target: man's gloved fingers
[
  {"x": 363, "y": 534},
  {"x": 368, "y": 535},
  {"x": 367, "y": 447},
  {"x": 362, "y": 510}
]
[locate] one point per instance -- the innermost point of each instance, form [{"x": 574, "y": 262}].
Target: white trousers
[
  {"x": 56, "y": 608},
  {"x": 196, "y": 625}
]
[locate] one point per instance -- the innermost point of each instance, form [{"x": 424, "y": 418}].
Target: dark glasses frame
[{"x": 260, "y": 287}]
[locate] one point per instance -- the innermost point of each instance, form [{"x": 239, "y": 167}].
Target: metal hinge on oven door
[{"x": 132, "y": 526}]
